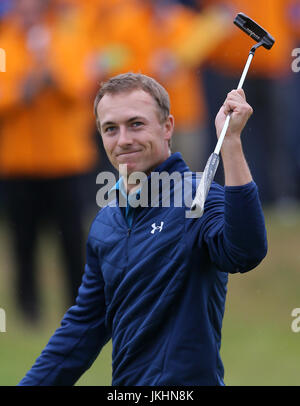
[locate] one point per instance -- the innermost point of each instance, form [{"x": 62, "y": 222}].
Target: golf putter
[{"x": 263, "y": 38}]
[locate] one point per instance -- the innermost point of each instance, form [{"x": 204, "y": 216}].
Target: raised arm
[
  {"x": 236, "y": 168},
  {"x": 233, "y": 226}
]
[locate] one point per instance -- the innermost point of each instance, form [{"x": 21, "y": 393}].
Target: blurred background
[{"x": 57, "y": 54}]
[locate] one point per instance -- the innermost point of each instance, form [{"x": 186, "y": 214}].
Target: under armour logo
[{"x": 155, "y": 227}]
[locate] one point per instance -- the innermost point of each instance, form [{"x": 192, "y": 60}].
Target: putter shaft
[
  {"x": 263, "y": 38},
  {"x": 226, "y": 124}
]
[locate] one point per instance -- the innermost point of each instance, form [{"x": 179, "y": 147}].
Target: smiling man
[
  {"x": 141, "y": 142},
  {"x": 135, "y": 123},
  {"x": 155, "y": 281}
]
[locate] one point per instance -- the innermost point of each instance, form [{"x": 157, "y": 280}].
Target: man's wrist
[
  {"x": 236, "y": 169},
  {"x": 231, "y": 143}
]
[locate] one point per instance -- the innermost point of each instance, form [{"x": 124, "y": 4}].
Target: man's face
[{"x": 132, "y": 132}]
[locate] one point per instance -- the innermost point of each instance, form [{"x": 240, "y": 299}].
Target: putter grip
[{"x": 205, "y": 182}]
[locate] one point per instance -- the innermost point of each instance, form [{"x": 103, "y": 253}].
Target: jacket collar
[{"x": 174, "y": 163}]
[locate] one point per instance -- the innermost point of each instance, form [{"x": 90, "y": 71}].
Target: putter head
[{"x": 255, "y": 31}]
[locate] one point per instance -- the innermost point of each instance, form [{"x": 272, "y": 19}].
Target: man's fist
[{"x": 240, "y": 110}]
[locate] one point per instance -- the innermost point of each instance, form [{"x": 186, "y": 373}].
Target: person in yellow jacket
[{"x": 46, "y": 144}]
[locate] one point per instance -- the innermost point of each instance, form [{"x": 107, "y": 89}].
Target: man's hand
[
  {"x": 240, "y": 110},
  {"x": 235, "y": 166}
]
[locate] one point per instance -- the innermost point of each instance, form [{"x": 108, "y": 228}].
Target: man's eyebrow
[
  {"x": 107, "y": 123},
  {"x": 135, "y": 118}
]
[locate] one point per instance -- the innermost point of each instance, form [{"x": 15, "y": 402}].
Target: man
[{"x": 155, "y": 279}]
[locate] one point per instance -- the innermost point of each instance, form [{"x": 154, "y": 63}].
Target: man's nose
[{"x": 124, "y": 137}]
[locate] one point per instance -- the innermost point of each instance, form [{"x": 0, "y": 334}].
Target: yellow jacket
[{"x": 52, "y": 134}]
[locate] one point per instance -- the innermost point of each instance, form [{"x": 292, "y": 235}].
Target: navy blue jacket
[{"x": 160, "y": 295}]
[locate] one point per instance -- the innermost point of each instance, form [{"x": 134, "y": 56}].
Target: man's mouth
[{"x": 128, "y": 153}]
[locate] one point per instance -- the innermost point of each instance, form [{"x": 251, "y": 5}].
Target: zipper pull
[{"x": 128, "y": 232}]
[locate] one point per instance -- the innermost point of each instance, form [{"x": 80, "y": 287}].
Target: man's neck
[{"x": 130, "y": 188}]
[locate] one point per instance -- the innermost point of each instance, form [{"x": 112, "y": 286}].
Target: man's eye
[
  {"x": 137, "y": 124},
  {"x": 110, "y": 129}
]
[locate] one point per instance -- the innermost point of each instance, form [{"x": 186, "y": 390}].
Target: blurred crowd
[{"x": 57, "y": 53}]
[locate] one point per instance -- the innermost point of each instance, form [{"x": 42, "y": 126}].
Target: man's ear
[
  {"x": 98, "y": 125},
  {"x": 169, "y": 127}
]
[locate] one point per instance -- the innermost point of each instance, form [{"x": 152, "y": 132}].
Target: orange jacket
[
  {"x": 293, "y": 14},
  {"x": 51, "y": 135},
  {"x": 230, "y": 56},
  {"x": 138, "y": 41}
]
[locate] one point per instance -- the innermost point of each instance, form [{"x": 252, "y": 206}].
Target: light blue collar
[
  {"x": 129, "y": 209},
  {"x": 121, "y": 186}
]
